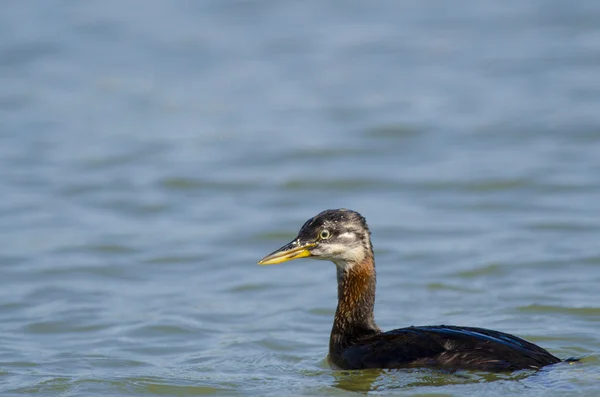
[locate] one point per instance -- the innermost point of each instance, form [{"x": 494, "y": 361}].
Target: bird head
[{"x": 340, "y": 236}]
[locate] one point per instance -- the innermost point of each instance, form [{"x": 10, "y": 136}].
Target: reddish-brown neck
[{"x": 356, "y": 299}]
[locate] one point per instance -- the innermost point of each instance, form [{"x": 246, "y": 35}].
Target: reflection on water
[{"x": 373, "y": 380}]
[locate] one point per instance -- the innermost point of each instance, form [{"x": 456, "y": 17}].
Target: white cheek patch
[
  {"x": 341, "y": 251},
  {"x": 351, "y": 236},
  {"x": 347, "y": 236},
  {"x": 356, "y": 254}
]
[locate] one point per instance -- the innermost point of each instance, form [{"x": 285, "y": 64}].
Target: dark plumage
[{"x": 342, "y": 236}]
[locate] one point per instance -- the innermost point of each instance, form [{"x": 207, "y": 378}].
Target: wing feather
[{"x": 447, "y": 347}]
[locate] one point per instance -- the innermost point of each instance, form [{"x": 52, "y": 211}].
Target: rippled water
[{"x": 151, "y": 152}]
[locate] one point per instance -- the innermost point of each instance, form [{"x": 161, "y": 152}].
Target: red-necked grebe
[{"x": 342, "y": 237}]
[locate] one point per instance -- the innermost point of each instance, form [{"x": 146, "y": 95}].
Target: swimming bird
[{"x": 356, "y": 342}]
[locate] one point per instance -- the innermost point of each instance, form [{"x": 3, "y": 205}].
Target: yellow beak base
[{"x": 287, "y": 253}]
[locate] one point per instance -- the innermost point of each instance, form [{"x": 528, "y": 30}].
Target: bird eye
[{"x": 325, "y": 234}]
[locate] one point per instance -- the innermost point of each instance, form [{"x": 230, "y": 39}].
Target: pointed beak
[{"x": 293, "y": 250}]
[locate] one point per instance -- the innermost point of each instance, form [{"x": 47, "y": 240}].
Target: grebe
[{"x": 343, "y": 237}]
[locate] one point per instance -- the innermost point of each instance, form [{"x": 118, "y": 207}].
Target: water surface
[{"x": 151, "y": 152}]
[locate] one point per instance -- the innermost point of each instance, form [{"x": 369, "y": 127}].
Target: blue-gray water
[{"x": 152, "y": 151}]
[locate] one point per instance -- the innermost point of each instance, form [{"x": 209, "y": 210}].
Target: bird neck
[{"x": 354, "y": 317}]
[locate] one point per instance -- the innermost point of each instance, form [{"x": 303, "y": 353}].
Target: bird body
[
  {"x": 442, "y": 346},
  {"x": 342, "y": 236}
]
